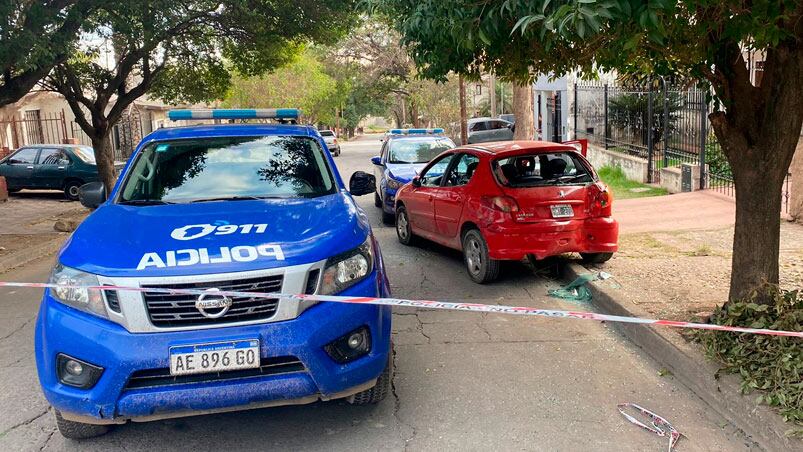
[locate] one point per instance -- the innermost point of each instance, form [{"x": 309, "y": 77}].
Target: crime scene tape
[
  {"x": 446, "y": 305},
  {"x": 658, "y": 425}
]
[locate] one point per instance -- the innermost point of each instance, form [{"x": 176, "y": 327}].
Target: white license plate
[
  {"x": 562, "y": 211},
  {"x": 214, "y": 357}
]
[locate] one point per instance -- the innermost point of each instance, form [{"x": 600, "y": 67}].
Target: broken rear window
[{"x": 534, "y": 170}]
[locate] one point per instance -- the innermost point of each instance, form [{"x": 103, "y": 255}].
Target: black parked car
[{"x": 50, "y": 166}]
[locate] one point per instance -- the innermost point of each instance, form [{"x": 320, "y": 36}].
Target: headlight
[
  {"x": 394, "y": 184},
  {"x": 90, "y": 301},
  {"x": 347, "y": 269}
]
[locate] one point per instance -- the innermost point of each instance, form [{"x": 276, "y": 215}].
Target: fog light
[
  {"x": 350, "y": 346},
  {"x": 77, "y": 373}
]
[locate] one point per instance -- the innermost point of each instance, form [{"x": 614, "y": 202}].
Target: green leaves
[{"x": 771, "y": 365}]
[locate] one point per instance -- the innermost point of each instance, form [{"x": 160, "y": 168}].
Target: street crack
[
  {"x": 397, "y": 407},
  {"x": 24, "y": 423},
  {"x": 17, "y": 330}
]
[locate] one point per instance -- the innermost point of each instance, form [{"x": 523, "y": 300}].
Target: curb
[
  {"x": 684, "y": 361},
  {"x": 22, "y": 257}
]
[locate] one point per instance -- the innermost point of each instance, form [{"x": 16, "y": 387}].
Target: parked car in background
[
  {"x": 508, "y": 201},
  {"x": 481, "y": 130},
  {"x": 404, "y": 153},
  {"x": 330, "y": 138},
  {"x": 50, "y": 166},
  {"x": 509, "y": 117}
]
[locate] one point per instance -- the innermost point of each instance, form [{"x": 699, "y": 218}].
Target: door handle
[
  {"x": 429, "y": 198},
  {"x": 29, "y": 167},
  {"x": 61, "y": 167}
]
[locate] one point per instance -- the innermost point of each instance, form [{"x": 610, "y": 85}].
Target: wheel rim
[
  {"x": 401, "y": 226},
  {"x": 473, "y": 255},
  {"x": 73, "y": 190}
]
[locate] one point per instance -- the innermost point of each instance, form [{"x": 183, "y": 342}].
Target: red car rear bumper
[{"x": 550, "y": 238}]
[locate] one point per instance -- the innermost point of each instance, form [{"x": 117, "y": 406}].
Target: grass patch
[{"x": 623, "y": 187}]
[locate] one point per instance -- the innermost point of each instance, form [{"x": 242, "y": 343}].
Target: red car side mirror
[{"x": 416, "y": 181}]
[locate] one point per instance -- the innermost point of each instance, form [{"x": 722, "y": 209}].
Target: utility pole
[
  {"x": 463, "y": 118},
  {"x": 492, "y": 94}
]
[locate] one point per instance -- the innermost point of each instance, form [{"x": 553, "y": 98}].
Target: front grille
[
  {"x": 153, "y": 378},
  {"x": 178, "y": 310}
]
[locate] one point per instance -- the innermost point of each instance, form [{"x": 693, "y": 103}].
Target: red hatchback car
[{"x": 508, "y": 201}]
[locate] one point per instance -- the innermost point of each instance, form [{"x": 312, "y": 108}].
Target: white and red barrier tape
[
  {"x": 470, "y": 307},
  {"x": 658, "y": 425}
]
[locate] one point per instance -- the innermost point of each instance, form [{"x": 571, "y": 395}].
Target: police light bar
[
  {"x": 414, "y": 131},
  {"x": 258, "y": 113}
]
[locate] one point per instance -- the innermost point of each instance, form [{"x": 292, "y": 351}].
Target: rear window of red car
[{"x": 541, "y": 169}]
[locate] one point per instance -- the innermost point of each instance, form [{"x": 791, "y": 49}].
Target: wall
[{"x": 635, "y": 168}]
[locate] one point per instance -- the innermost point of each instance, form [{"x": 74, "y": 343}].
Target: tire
[
  {"x": 71, "y": 189},
  {"x": 79, "y": 430},
  {"x": 481, "y": 268},
  {"x": 596, "y": 258},
  {"x": 388, "y": 218},
  {"x": 404, "y": 232},
  {"x": 380, "y": 390},
  {"x": 377, "y": 200}
]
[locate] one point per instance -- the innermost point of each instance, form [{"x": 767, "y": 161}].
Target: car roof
[
  {"x": 55, "y": 145},
  {"x": 518, "y": 147},
  {"x": 224, "y": 130}
]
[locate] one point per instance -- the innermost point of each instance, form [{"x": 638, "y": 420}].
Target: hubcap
[
  {"x": 74, "y": 190},
  {"x": 401, "y": 226},
  {"x": 473, "y": 255}
]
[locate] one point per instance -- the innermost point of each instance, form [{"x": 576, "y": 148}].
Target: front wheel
[
  {"x": 79, "y": 430},
  {"x": 377, "y": 200},
  {"x": 596, "y": 258},
  {"x": 380, "y": 390},
  {"x": 71, "y": 190},
  {"x": 481, "y": 268}
]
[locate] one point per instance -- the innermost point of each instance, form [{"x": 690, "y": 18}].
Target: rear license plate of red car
[{"x": 562, "y": 211}]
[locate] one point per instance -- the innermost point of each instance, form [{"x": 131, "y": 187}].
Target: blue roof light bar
[
  {"x": 257, "y": 113},
  {"x": 414, "y": 131}
]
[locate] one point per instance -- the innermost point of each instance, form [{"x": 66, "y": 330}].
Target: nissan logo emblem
[{"x": 205, "y": 302}]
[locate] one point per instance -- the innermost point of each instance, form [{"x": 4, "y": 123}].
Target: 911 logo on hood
[{"x": 220, "y": 255}]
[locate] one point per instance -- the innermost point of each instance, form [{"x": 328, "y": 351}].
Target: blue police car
[
  {"x": 235, "y": 207},
  {"x": 404, "y": 153}
]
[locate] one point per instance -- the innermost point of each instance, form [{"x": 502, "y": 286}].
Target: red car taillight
[
  {"x": 600, "y": 200},
  {"x": 501, "y": 203}
]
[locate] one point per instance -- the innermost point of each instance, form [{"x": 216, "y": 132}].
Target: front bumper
[
  {"x": 389, "y": 199},
  {"x": 61, "y": 329},
  {"x": 549, "y": 238}
]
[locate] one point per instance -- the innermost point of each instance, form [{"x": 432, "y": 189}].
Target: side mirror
[
  {"x": 376, "y": 160},
  {"x": 92, "y": 194},
  {"x": 416, "y": 181},
  {"x": 362, "y": 183}
]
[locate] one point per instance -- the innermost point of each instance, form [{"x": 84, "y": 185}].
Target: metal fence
[
  {"x": 663, "y": 124},
  {"x": 32, "y": 128}
]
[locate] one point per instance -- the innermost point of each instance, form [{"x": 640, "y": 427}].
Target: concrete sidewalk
[{"x": 680, "y": 212}]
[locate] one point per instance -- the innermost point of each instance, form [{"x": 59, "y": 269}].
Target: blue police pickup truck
[{"x": 235, "y": 207}]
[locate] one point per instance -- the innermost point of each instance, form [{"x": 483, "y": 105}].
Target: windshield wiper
[
  {"x": 144, "y": 202},
  {"x": 234, "y": 198}
]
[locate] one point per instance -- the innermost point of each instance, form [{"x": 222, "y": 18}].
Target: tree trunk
[
  {"x": 756, "y": 239},
  {"x": 104, "y": 157},
  {"x": 523, "y": 109},
  {"x": 463, "y": 116}
]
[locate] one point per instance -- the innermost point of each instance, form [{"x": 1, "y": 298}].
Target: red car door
[
  {"x": 451, "y": 198},
  {"x": 420, "y": 200}
]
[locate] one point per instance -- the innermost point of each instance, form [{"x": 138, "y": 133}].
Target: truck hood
[
  {"x": 404, "y": 172},
  {"x": 214, "y": 237}
]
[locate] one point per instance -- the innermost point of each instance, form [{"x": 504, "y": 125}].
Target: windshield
[
  {"x": 210, "y": 169},
  {"x": 534, "y": 170},
  {"x": 418, "y": 150},
  {"x": 85, "y": 153}
]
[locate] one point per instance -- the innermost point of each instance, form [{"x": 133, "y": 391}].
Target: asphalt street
[{"x": 463, "y": 381}]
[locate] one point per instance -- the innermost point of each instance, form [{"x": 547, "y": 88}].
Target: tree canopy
[
  {"x": 34, "y": 37},
  {"x": 183, "y": 51}
]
